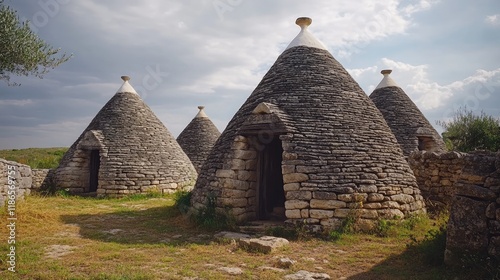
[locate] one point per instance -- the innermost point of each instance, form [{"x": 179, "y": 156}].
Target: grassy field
[
  {"x": 147, "y": 237},
  {"x": 35, "y": 157}
]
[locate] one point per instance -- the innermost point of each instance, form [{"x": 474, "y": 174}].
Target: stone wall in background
[
  {"x": 41, "y": 179},
  {"x": 436, "y": 175},
  {"x": 474, "y": 225},
  {"x": 469, "y": 186},
  {"x": 27, "y": 180},
  {"x": 23, "y": 179}
]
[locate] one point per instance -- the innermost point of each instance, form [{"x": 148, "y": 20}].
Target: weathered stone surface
[
  {"x": 306, "y": 275},
  {"x": 347, "y": 151},
  {"x": 231, "y": 270},
  {"x": 285, "y": 262},
  {"x": 324, "y": 195},
  {"x": 405, "y": 120},
  {"x": 327, "y": 204},
  {"x": 403, "y": 198},
  {"x": 294, "y": 178},
  {"x": 231, "y": 236},
  {"x": 296, "y": 204},
  {"x": 467, "y": 227},
  {"x": 390, "y": 214},
  {"x": 320, "y": 214},
  {"x": 198, "y": 138},
  {"x": 372, "y": 197},
  {"x": 20, "y": 180},
  {"x": 298, "y": 195},
  {"x": 491, "y": 211},
  {"x": 129, "y": 139},
  {"x": 474, "y": 191},
  {"x": 264, "y": 244}
]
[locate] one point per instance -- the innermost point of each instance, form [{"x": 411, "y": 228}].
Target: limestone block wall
[
  {"x": 41, "y": 179},
  {"x": 23, "y": 179},
  {"x": 438, "y": 174},
  {"x": 474, "y": 225}
]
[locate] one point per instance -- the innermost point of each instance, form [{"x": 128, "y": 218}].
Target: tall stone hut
[
  {"x": 198, "y": 138},
  {"x": 412, "y": 130},
  {"x": 125, "y": 149},
  {"x": 308, "y": 145}
]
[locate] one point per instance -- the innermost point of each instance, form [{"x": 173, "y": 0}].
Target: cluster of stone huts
[{"x": 307, "y": 145}]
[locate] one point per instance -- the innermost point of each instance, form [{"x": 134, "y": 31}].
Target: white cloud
[
  {"x": 493, "y": 19},
  {"x": 419, "y": 6},
  {"x": 357, "y": 72}
]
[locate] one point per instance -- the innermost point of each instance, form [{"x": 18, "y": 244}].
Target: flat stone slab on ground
[
  {"x": 306, "y": 275},
  {"x": 264, "y": 244},
  {"x": 229, "y": 235},
  {"x": 231, "y": 270}
]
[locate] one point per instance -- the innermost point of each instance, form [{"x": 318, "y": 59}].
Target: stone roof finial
[
  {"x": 387, "y": 81},
  {"x": 305, "y": 38},
  {"x": 303, "y": 22},
  {"x": 201, "y": 113},
  {"x": 126, "y": 87}
]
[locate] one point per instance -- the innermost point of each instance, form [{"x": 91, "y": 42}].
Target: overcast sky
[{"x": 181, "y": 54}]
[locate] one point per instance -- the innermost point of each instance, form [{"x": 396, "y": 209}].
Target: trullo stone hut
[
  {"x": 308, "y": 145},
  {"x": 125, "y": 149},
  {"x": 198, "y": 138},
  {"x": 412, "y": 130}
]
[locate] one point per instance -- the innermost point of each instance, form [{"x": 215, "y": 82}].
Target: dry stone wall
[
  {"x": 438, "y": 174},
  {"x": 27, "y": 180},
  {"x": 22, "y": 183},
  {"x": 474, "y": 225},
  {"x": 469, "y": 185},
  {"x": 41, "y": 179}
]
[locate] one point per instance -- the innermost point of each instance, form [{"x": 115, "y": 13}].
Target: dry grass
[{"x": 148, "y": 238}]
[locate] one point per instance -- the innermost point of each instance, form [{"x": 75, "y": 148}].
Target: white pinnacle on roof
[
  {"x": 126, "y": 87},
  {"x": 305, "y": 38},
  {"x": 201, "y": 113},
  {"x": 387, "y": 81}
]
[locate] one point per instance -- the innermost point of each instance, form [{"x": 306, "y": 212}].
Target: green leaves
[
  {"x": 23, "y": 53},
  {"x": 468, "y": 132}
]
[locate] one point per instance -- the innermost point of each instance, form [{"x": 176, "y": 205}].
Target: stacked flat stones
[
  {"x": 403, "y": 117},
  {"x": 198, "y": 138},
  {"x": 137, "y": 152},
  {"x": 339, "y": 154}
]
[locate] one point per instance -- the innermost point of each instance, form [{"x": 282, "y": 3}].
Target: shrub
[
  {"x": 211, "y": 218},
  {"x": 182, "y": 201}
]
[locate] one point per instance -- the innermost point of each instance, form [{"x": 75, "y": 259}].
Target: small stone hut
[
  {"x": 308, "y": 145},
  {"x": 198, "y": 138},
  {"x": 125, "y": 149},
  {"x": 412, "y": 130}
]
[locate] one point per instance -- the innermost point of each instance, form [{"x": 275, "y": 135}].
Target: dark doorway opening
[
  {"x": 95, "y": 162},
  {"x": 271, "y": 195}
]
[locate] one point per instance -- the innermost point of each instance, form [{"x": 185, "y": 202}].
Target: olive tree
[
  {"x": 468, "y": 132},
  {"x": 22, "y": 52}
]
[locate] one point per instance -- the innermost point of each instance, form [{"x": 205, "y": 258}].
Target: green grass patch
[{"x": 41, "y": 158}]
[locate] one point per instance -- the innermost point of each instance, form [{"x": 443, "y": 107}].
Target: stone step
[{"x": 259, "y": 227}]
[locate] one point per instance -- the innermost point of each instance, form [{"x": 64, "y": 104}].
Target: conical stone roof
[
  {"x": 412, "y": 130},
  {"x": 136, "y": 152},
  {"x": 198, "y": 138},
  {"x": 337, "y": 148}
]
